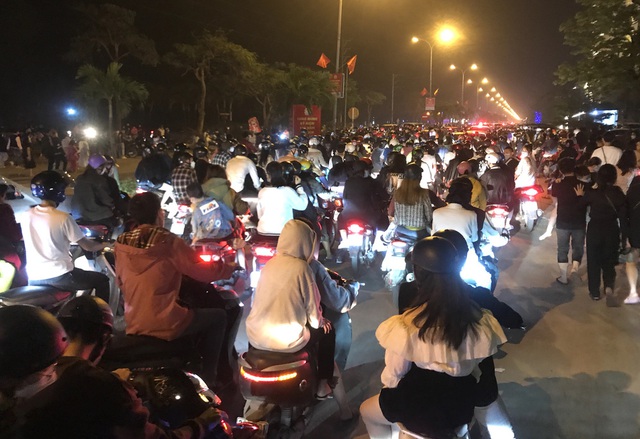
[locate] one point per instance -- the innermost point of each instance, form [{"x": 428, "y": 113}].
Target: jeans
[
  {"x": 603, "y": 241},
  {"x": 78, "y": 279},
  {"x": 342, "y": 326},
  {"x": 576, "y": 238},
  {"x": 325, "y": 347}
]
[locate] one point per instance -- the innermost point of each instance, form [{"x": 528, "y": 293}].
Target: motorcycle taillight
[
  {"x": 498, "y": 212},
  {"x": 206, "y": 257},
  {"x": 264, "y": 251},
  {"x": 355, "y": 228},
  {"x": 531, "y": 192},
  {"x": 268, "y": 377},
  {"x": 338, "y": 203}
]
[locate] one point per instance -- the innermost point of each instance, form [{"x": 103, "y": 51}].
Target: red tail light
[
  {"x": 209, "y": 258},
  {"x": 499, "y": 212},
  {"x": 285, "y": 376},
  {"x": 355, "y": 228},
  {"x": 531, "y": 192},
  {"x": 338, "y": 202},
  {"x": 264, "y": 251}
]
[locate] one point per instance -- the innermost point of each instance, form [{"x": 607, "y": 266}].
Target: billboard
[{"x": 306, "y": 118}]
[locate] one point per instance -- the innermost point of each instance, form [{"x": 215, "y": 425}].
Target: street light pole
[{"x": 338, "y": 65}]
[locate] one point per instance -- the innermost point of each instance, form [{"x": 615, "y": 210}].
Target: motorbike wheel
[
  {"x": 356, "y": 261},
  {"x": 131, "y": 151},
  {"x": 529, "y": 223}
]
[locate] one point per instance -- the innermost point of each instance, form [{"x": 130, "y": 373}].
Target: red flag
[
  {"x": 351, "y": 64},
  {"x": 424, "y": 92},
  {"x": 435, "y": 93},
  {"x": 323, "y": 61}
]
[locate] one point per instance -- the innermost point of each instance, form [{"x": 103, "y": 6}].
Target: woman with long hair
[
  {"x": 626, "y": 168},
  {"x": 433, "y": 351},
  {"x": 410, "y": 206},
  {"x": 607, "y": 215},
  {"x": 526, "y": 171}
]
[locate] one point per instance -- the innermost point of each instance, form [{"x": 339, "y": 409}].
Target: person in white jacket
[
  {"x": 286, "y": 315},
  {"x": 239, "y": 167}
]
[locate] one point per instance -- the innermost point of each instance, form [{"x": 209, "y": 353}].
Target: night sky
[{"x": 516, "y": 44}]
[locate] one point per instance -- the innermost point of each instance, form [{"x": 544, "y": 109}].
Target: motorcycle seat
[
  {"x": 40, "y": 296},
  {"x": 259, "y": 360},
  {"x": 143, "y": 347}
]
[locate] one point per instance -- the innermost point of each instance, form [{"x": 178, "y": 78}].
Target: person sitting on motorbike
[
  {"x": 525, "y": 174},
  {"x": 490, "y": 411},
  {"x": 182, "y": 176},
  {"x": 277, "y": 202},
  {"x": 239, "y": 167},
  {"x": 150, "y": 265},
  {"x": 52, "y": 391},
  {"x": 286, "y": 315},
  {"x": 478, "y": 195},
  {"x": 155, "y": 167},
  {"x": 92, "y": 201},
  {"x": 210, "y": 219},
  {"x": 201, "y": 154},
  {"x": 218, "y": 187},
  {"x": 433, "y": 351},
  {"x": 410, "y": 206},
  {"x": 391, "y": 174},
  {"x": 497, "y": 181},
  {"x": 48, "y": 234}
]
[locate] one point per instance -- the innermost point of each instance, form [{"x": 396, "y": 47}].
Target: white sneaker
[
  {"x": 632, "y": 300},
  {"x": 544, "y": 236}
]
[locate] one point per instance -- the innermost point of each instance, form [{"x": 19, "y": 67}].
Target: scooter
[
  {"x": 263, "y": 249},
  {"x": 212, "y": 251},
  {"x": 360, "y": 238},
  {"x": 331, "y": 207},
  {"x": 529, "y": 211},
  {"x": 394, "y": 262}
]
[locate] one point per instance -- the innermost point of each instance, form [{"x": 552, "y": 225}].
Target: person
[
  {"x": 525, "y": 173},
  {"x": 218, "y": 187},
  {"x": 48, "y": 234},
  {"x": 607, "y": 153},
  {"x": 626, "y": 169},
  {"x": 510, "y": 160},
  {"x": 155, "y": 167},
  {"x": 10, "y": 232},
  {"x": 92, "y": 200},
  {"x": 454, "y": 216},
  {"x": 222, "y": 155},
  {"x": 72, "y": 155},
  {"x": 51, "y": 390},
  {"x": 295, "y": 320},
  {"x": 364, "y": 199},
  {"x": 150, "y": 265},
  {"x": 277, "y": 202},
  {"x": 182, "y": 176},
  {"x": 210, "y": 219},
  {"x": 497, "y": 181},
  {"x": 571, "y": 220},
  {"x": 239, "y": 167},
  {"x": 607, "y": 216},
  {"x": 11, "y": 245},
  {"x": 632, "y": 250},
  {"x": 51, "y": 149},
  {"x": 433, "y": 351},
  {"x": 410, "y": 205},
  {"x": 478, "y": 195},
  {"x": 201, "y": 154}
]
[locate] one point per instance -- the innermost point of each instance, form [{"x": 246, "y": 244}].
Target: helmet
[
  {"x": 492, "y": 158},
  {"x": 464, "y": 168},
  {"x": 184, "y": 157},
  {"x": 458, "y": 241},
  {"x": 314, "y": 141},
  {"x": 90, "y": 309},
  {"x": 303, "y": 150},
  {"x": 147, "y": 151},
  {"x": 200, "y": 152},
  {"x": 110, "y": 160},
  {"x": 161, "y": 147},
  {"x": 180, "y": 147},
  {"x": 265, "y": 145},
  {"x": 96, "y": 160},
  {"x": 417, "y": 154},
  {"x": 49, "y": 185},
  {"x": 413, "y": 172},
  {"x": 240, "y": 150},
  {"x": 287, "y": 168},
  {"x": 305, "y": 164},
  {"x": 31, "y": 339},
  {"x": 297, "y": 167},
  {"x": 350, "y": 147},
  {"x": 435, "y": 254}
]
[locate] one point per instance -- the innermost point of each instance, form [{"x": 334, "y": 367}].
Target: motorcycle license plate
[
  {"x": 396, "y": 263},
  {"x": 354, "y": 240}
]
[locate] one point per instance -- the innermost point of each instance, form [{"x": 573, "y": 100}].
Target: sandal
[{"x": 562, "y": 283}]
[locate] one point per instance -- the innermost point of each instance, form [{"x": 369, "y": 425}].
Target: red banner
[
  {"x": 337, "y": 84},
  {"x": 309, "y": 119},
  {"x": 429, "y": 104}
]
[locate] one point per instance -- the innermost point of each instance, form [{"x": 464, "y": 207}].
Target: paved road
[{"x": 572, "y": 374}]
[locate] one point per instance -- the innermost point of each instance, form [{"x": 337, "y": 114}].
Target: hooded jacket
[
  {"x": 286, "y": 300},
  {"x": 219, "y": 190},
  {"x": 150, "y": 262}
]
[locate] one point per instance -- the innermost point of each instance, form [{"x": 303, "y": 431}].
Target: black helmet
[
  {"x": 200, "y": 152},
  {"x": 90, "y": 309},
  {"x": 458, "y": 241},
  {"x": 297, "y": 167},
  {"x": 287, "y": 168},
  {"x": 161, "y": 147},
  {"x": 184, "y": 157},
  {"x": 148, "y": 151},
  {"x": 303, "y": 150},
  {"x": 49, "y": 185},
  {"x": 180, "y": 147},
  {"x": 265, "y": 145},
  {"x": 31, "y": 339},
  {"x": 240, "y": 150},
  {"x": 413, "y": 172},
  {"x": 435, "y": 254},
  {"x": 417, "y": 154}
]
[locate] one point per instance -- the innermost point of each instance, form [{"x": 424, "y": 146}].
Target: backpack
[{"x": 212, "y": 219}]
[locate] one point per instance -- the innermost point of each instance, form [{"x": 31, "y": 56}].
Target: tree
[
  {"x": 264, "y": 84},
  {"x": 605, "y": 41},
  {"x": 372, "y": 99},
  {"x": 210, "y": 56},
  {"x": 111, "y": 30},
  {"x": 110, "y": 86}
]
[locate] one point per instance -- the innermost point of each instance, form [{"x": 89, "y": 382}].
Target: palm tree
[{"x": 111, "y": 87}]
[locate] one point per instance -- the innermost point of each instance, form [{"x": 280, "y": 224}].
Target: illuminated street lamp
[
  {"x": 446, "y": 35},
  {"x": 464, "y": 71}
]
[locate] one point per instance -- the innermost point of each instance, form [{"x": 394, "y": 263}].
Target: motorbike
[
  {"x": 360, "y": 239},
  {"x": 46, "y": 297},
  {"x": 211, "y": 251},
  {"x": 529, "y": 211},
  {"x": 263, "y": 249},
  {"x": 330, "y": 207},
  {"x": 394, "y": 262}
]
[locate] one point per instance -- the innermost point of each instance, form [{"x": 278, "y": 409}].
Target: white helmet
[
  {"x": 314, "y": 141},
  {"x": 492, "y": 158},
  {"x": 350, "y": 148}
]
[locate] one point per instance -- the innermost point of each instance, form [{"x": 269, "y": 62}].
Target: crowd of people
[{"x": 426, "y": 184}]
